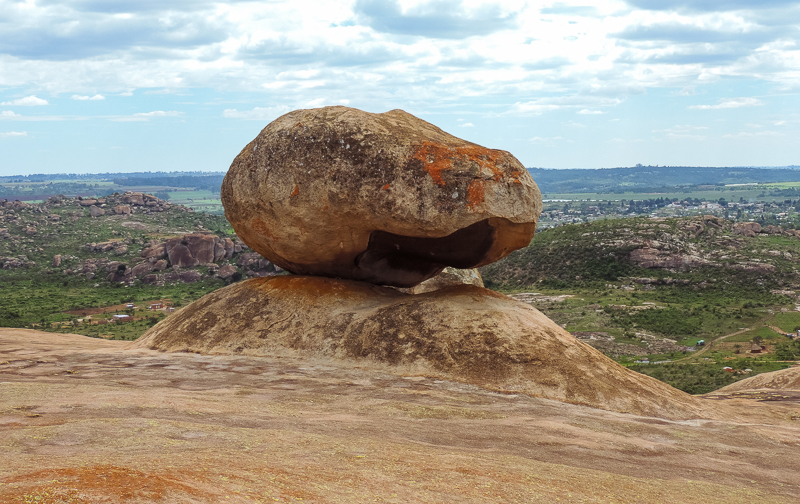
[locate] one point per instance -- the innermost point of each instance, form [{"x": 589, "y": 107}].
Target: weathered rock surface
[
  {"x": 784, "y": 379},
  {"x": 447, "y": 278},
  {"x": 748, "y": 229},
  {"x": 464, "y": 333},
  {"x": 654, "y": 258},
  {"x": 384, "y": 198}
]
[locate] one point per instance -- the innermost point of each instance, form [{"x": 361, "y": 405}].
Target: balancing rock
[{"x": 384, "y": 198}]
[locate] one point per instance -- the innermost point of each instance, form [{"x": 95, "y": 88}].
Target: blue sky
[{"x": 91, "y": 86}]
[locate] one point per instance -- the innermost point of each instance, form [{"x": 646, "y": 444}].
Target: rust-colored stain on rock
[
  {"x": 295, "y": 192},
  {"x": 261, "y": 227},
  {"x": 475, "y": 193},
  {"x": 438, "y": 158}
]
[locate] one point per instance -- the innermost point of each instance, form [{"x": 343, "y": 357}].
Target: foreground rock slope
[
  {"x": 89, "y": 420},
  {"x": 384, "y": 198},
  {"x": 464, "y": 333}
]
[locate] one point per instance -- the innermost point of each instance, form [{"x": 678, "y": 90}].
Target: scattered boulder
[
  {"x": 122, "y": 210},
  {"x": 108, "y": 246},
  {"x": 133, "y": 198},
  {"x": 747, "y": 229},
  {"x": 154, "y": 252},
  {"x": 225, "y": 272},
  {"x": 190, "y": 276},
  {"x": 385, "y": 198},
  {"x": 95, "y": 211},
  {"x": 57, "y": 260},
  {"x": 194, "y": 249}
]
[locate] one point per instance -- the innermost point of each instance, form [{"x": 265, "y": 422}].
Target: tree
[{"x": 757, "y": 340}]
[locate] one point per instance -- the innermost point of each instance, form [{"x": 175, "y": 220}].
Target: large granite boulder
[
  {"x": 464, "y": 333},
  {"x": 384, "y": 198}
]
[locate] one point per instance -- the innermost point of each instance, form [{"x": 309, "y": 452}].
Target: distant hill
[{"x": 652, "y": 178}]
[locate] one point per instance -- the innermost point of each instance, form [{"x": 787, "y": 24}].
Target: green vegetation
[
  {"x": 660, "y": 310},
  {"x": 704, "y": 377},
  {"x": 36, "y": 294}
]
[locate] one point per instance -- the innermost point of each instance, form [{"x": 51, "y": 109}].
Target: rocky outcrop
[
  {"x": 95, "y": 211},
  {"x": 747, "y": 229},
  {"x": 108, "y": 246},
  {"x": 385, "y": 198},
  {"x": 655, "y": 258},
  {"x": 462, "y": 333},
  {"x": 20, "y": 261}
]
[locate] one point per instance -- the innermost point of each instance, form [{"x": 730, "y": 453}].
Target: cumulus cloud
[
  {"x": 96, "y": 97},
  {"x": 590, "y": 112},
  {"x": 28, "y": 101},
  {"x": 467, "y": 125},
  {"x": 710, "y": 5},
  {"x": 7, "y": 134},
  {"x": 726, "y": 103},
  {"x": 9, "y": 113},
  {"x": 257, "y": 114}
]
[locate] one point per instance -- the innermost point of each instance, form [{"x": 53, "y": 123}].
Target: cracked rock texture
[
  {"x": 384, "y": 198},
  {"x": 464, "y": 333}
]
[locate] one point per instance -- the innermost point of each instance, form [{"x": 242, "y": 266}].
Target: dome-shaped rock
[
  {"x": 462, "y": 333},
  {"x": 384, "y": 198}
]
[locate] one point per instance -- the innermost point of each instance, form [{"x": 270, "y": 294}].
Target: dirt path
[
  {"x": 708, "y": 345},
  {"x": 89, "y": 420}
]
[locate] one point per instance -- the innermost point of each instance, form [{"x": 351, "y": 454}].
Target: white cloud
[
  {"x": 467, "y": 125},
  {"x": 544, "y": 140},
  {"x": 158, "y": 113},
  {"x": 726, "y": 103},
  {"x": 590, "y": 112},
  {"x": 747, "y": 134},
  {"x": 258, "y": 113},
  {"x": 28, "y": 101},
  {"x": 9, "y": 113},
  {"x": 96, "y": 97},
  {"x": 146, "y": 116},
  {"x": 13, "y": 134}
]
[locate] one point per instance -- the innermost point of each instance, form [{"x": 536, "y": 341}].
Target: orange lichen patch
[
  {"x": 324, "y": 208},
  {"x": 313, "y": 286},
  {"x": 386, "y": 187},
  {"x": 437, "y": 158},
  {"x": 476, "y": 193},
  {"x": 100, "y": 483},
  {"x": 260, "y": 227},
  {"x": 295, "y": 192}
]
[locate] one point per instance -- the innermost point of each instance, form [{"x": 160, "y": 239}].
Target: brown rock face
[
  {"x": 193, "y": 249},
  {"x": 384, "y": 198},
  {"x": 464, "y": 333},
  {"x": 447, "y": 278},
  {"x": 748, "y": 229}
]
